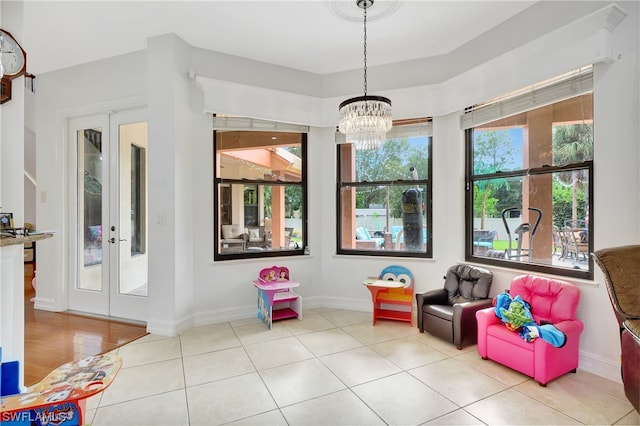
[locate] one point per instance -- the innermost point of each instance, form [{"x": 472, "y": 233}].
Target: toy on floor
[
  {"x": 515, "y": 314},
  {"x": 276, "y": 300},
  {"x": 59, "y": 399},
  {"x": 9, "y": 377},
  {"x": 392, "y": 294}
]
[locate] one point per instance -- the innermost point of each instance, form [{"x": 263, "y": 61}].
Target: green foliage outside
[
  {"x": 391, "y": 162},
  {"x": 490, "y": 202},
  {"x": 571, "y": 144},
  {"x": 293, "y": 195},
  {"x": 492, "y": 152},
  {"x": 563, "y": 203}
]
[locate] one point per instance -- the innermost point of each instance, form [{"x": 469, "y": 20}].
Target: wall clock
[{"x": 13, "y": 61}]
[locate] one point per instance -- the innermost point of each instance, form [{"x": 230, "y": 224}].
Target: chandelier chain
[{"x": 365, "y": 49}]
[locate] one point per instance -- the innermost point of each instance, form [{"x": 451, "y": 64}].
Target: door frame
[{"x": 108, "y": 302}]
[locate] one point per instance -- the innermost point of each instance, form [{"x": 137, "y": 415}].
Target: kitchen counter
[{"x": 21, "y": 239}]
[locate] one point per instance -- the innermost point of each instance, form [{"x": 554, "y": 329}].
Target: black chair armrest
[
  {"x": 462, "y": 310},
  {"x": 432, "y": 297},
  {"x": 464, "y": 318}
]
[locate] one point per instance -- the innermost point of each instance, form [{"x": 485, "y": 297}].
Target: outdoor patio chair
[
  {"x": 288, "y": 232},
  {"x": 577, "y": 244},
  {"x": 483, "y": 240},
  {"x": 256, "y": 237},
  {"x": 364, "y": 240},
  {"x": 576, "y": 223},
  {"x": 559, "y": 243},
  {"x": 234, "y": 238}
]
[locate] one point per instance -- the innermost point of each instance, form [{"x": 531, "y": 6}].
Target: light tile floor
[{"x": 333, "y": 368}]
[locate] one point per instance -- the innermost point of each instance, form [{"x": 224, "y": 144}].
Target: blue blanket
[{"x": 515, "y": 314}]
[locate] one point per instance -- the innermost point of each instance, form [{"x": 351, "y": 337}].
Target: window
[
  {"x": 384, "y": 195},
  {"x": 260, "y": 188},
  {"x": 138, "y": 197},
  {"x": 530, "y": 178}
]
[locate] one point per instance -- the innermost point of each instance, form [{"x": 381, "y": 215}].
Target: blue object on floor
[
  {"x": 9, "y": 377},
  {"x": 9, "y": 374}
]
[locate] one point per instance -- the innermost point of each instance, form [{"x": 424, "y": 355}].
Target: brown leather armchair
[
  {"x": 621, "y": 269},
  {"x": 450, "y": 313}
]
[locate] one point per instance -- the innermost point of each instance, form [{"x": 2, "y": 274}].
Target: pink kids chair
[{"x": 552, "y": 301}]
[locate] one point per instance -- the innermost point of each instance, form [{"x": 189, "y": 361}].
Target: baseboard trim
[
  {"x": 600, "y": 366},
  {"x": 215, "y": 316},
  {"x": 170, "y": 328},
  {"x": 45, "y": 304}
]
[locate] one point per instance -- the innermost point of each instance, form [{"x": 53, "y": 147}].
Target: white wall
[
  {"x": 115, "y": 84},
  {"x": 171, "y": 186},
  {"x": 616, "y": 184},
  {"x": 187, "y": 287},
  {"x": 12, "y": 150}
]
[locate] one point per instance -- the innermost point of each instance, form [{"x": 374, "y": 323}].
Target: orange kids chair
[{"x": 394, "y": 301}]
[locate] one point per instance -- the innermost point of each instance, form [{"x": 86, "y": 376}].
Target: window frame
[
  {"x": 427, "y": 199},
  {"x": 471, "y": 178},
  {"x": 218, "y": 182}
]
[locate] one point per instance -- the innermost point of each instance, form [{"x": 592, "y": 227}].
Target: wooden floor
[{"x": 52, "y": 338}]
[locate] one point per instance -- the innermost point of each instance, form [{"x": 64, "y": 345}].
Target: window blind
[
  {"x": 567, "y": 86},
  {"x": 245, "y": 123}
]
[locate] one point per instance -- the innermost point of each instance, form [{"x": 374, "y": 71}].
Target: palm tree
[{"x": 573, "y": 143}]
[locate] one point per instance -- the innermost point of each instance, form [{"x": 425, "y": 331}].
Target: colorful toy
[
  {"x": 275, "y": 273},
  {"x": 515, "y": 314},
  {"x": 392, "y": 294},
  {"x": 59, "y": 399},
  {"x": 276, "y": 300}
]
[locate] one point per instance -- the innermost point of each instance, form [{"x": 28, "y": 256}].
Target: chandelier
[{"x": 365, "y": 120}]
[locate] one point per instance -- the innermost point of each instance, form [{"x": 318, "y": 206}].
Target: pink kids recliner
[{"x": 552, "y": 301}]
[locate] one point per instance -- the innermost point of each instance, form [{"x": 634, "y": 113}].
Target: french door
[{"x": 108, "y": 214}]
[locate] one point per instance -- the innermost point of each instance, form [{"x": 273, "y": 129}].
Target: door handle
[{"x": 112, "y": 240}]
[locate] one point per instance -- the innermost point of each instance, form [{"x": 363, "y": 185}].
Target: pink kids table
[{"x": 276, "y": 300}]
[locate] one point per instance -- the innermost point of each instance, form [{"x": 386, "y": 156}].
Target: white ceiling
[{"x": 305, "y": 34}]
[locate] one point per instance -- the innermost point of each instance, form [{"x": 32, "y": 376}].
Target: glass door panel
[
  {"x": 89, "y": 260},
  {"x": 90, "y": 208},
  {"x": 133, "y": 209},
  {"x": 128, "y": 216}
]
